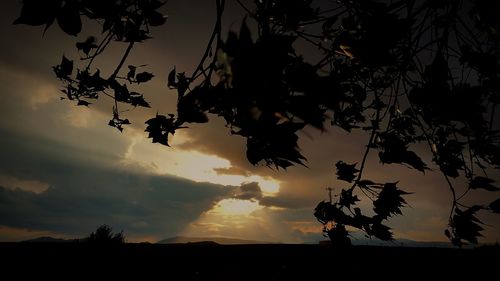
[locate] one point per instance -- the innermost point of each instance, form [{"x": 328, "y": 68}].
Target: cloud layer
[{"x": 64, "y": 171}]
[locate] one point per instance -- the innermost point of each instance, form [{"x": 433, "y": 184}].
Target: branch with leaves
[{"x": 410, "y": 73}]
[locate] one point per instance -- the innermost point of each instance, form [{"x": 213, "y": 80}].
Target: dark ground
[{"x": 80, "y": 261}]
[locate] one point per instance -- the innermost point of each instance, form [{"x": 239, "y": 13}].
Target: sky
[{"x": 64, "y": 171}]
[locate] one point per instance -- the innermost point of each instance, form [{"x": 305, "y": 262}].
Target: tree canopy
[
  {"x": 104, "y": 235},
  {"x": 411, "y": 73}
]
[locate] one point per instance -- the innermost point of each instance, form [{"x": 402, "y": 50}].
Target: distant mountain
[
  {"x": 47, "y": 239},
  {"x": 359, "y": 238},
  {"x": 355, "y": 238},
  {"x": 402, "y": 243},
  {"x": 218, "y": 240}
]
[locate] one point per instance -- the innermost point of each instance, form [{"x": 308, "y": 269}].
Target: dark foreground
[{"x": 80, "y": 261}]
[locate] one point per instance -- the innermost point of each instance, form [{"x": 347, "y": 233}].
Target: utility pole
[{"x": 329, "y": 189}]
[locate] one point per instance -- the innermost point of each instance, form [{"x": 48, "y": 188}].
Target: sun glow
[
  {"x": 235, "y": 207},
  {"x": 192, "y": 165}
]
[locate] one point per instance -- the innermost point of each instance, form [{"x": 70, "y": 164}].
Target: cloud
[
  {"x": 233, "y": 170},
  {"x": 42, "y": 96},
  {"x": 262, "y": 224},
  {"x": 13, "y": 234},
  {"x": 80, "y": 117},
  {"x": 139, "y": 204},
  {"x": 34, "y": 186},
  {"x": 86, "y": 192},
  {"x": 283, "y": 201},
  {"x": 248, "y": 191},
  {"x": 82, "y": 155}
]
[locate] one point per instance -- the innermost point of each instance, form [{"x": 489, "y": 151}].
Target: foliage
[
  {"x": 408, "y": 72},
  {"x": 104, "y": 235}
]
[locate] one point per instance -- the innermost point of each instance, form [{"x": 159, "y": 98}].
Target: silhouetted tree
[
  {"x": 408, "y": 72},
  {"x": 104, "y": 235}
]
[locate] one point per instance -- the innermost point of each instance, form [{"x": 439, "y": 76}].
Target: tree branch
[
  {"x": 216, "y": 31},
  {"x": 122, "y": 61}
]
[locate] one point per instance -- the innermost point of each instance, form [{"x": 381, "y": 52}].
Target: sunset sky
[{"x": 64, "y": 171}]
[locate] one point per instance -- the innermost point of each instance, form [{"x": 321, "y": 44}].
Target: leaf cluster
[{"x": 409, "y": 73}]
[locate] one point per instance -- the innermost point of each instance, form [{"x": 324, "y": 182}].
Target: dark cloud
[
  {"x": 156, "y": 206},
  {"x": 88, "y": 185},
  {"x": 248, "y": 191},
  {"x": 85, "y": 192}
]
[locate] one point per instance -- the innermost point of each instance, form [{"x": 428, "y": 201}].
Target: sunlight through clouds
[
  {"x": 80, "y": 117},
  {"x": 235, "y": 207},
  {"x": 189, "y": 164},
  {"x": 231, "y": 218},
  {"x": 44, "y": 94}
]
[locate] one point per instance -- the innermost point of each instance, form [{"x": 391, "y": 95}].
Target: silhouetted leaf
[
  {"x": 245, "y": 39},
  {"x": 339, "y": 236},
  {"x": 328, "y": 24},
  {"x": 289, "y": 14},
  {"x": 483, "y": 61},
  {"x": 347, "y": 199},
  {"x": 131, "y": 73},
  {"x": 346, "y": 172},
  {"x": 367, "y": 183},
  {"x": 134, "y": 34},
  {"x": 381, "y": 231},
  {"x": 275, "y": 145},
  {"x": 149, "y": 6},
  {"x": 160, "y": 127},
  {"x": 483, "y": 183},
  {"x": 95, "y": 82},
  {"x": 465, "y": 225},
  {"x": 326, "y": 212},
  {"x": 182, "y": 84},
  {"x": 143, "y": 77},
  {"x": 156, "y": 19},
  {"x": 189, "y": 111},
  {"x": 117, "y": 122},
  {"x": 68, "y": 18},
  {"x": 137, "y": 99},
  {"x": 448, "y": 152},
  {"x": 323, "y": 212},
  {"x": 268, "y": 88},
  {"x": 389, "y": 201},
  {"x": 122, "y": 93},
  {"x": 438, "y": 71},
  {"x": 36, "y": 12},
  {"x": 87, "y": 45},
  {"x": 171, "y": 83},
  {"x": 83, "y": 102},
  {"x": 495, "y": 206},
  {"x": 395, "y": 150},
  {"x": 65, "y": 69}
]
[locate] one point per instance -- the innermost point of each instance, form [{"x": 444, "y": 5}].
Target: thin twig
[
  {"x": 122, "y": 61},
  {"x": 215, "y": 32}
]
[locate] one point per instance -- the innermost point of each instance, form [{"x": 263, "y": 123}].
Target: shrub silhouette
[
  {"x": 104, "y": 235},
  {"x": 409, "y": 73}
]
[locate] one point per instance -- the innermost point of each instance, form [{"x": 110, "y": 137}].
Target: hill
[
  {"x": 48, "y": 239},
  {"x": 218, "y": 240}
]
